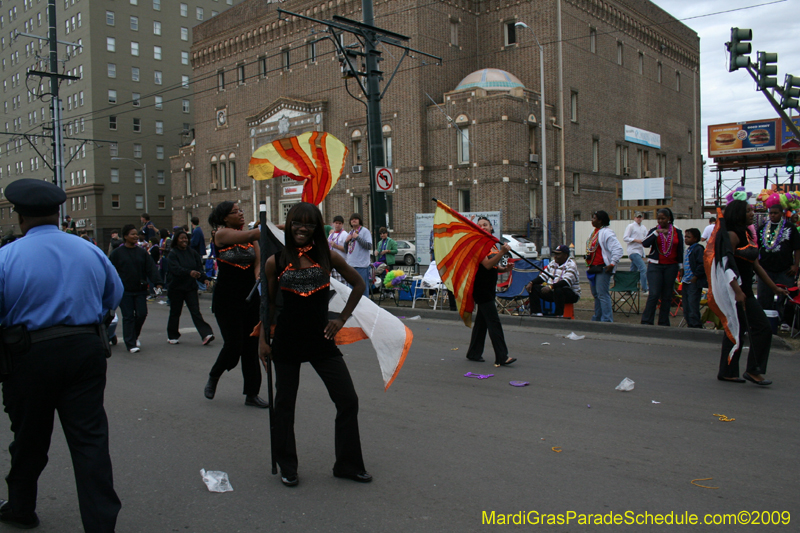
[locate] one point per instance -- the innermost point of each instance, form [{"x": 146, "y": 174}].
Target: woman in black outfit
[
  {"x": 238, "y": 262},
  {"x": 487, "y": 319},
  {"x": 304, "y": 333},
  {"x": 739, "y": 215},
  {"x": 185, "y": 270}
]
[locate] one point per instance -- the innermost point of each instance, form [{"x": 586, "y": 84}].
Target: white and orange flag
[
  {"x": 315, "y": 156},
  {"x": 459, "y": 246},
  {"x": 390, "y": 338},
  {"x": 721, "y": 270}
]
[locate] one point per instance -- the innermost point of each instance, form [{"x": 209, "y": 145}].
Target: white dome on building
[{"x": 490, "y": 79}]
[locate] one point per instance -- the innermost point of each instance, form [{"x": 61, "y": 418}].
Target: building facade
[
  {"x": 467, "y": 132},
  {"x": 133, "y": 102}
]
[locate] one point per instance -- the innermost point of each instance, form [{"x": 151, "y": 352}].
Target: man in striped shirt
[{"x": 561, "y": 283}]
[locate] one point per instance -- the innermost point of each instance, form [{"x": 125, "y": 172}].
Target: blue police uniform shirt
[{"x": 50, "y": 278}]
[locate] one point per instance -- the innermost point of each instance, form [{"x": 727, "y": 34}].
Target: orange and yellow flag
[
  {"x": 316, "y": 157},
  {"x": 459, "y": 246}
]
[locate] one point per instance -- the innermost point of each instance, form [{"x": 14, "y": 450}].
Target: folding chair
[
  {"x": 515, "y": 295},
  {"x": 625, "y": 295},
  {"x": 428, "y": 287}
]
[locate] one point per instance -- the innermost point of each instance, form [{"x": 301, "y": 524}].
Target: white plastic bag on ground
[
  {"x": 625, "y": 385},
  {"x": 216, "y": 481},
  {"x": 573, "y": 337}
]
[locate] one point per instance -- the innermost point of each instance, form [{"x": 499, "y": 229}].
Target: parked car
[
  {"x": 406, "y": 253},
  {"x": 521, "y": 245}
]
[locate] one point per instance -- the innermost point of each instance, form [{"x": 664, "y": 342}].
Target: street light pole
[
  {"x": 144, "y": 177},
  {"x": 545, "y": 251}
]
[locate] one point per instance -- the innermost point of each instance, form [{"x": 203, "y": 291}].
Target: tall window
[
  {"x": 641, "y": 63},
  {"x": 312, "y": 51},
  {"x": 262, "y": 66},
  {"x": 184, "y": 10},
  {"x": 114, "y": 175},
  {"x": 185, "y": 106},
  {"x": 115, "y": 201},
  {"x": 223, "y": 173},
  {"x": 619, "y": 52},
  {"x": 162, "y": 201},
  {"x": 464, "y": 203},
  {"x": 113, "y": 149},
  {"x": 112, "y": 96},
  {"x": 160, "y": 177},
  {"x": 111, "y": 44},
  {"x": 659, "y": 72},
  {"x": 355, "y": 139},
  {"x": 184, "y": 81},
  {"x": 138, "y": 176},
  {"x": 677, "y": 81},
  {"x": 137, "y": 125},
  {"x": 691, "y": 141},
  {"x": 679, "y": 171},
  {"x": 200, "y": 13},
  {"x": 157, "y": 77},
  {"x": 595, "y": 155},
  {"x": 387, "y": 145},
  {"x": 286, "y": 59},
  {"x": 112, "y": 122},
  {"x": 184, "y": 58},
  {"x": 187, "y": 175},
  {"x": 159, "y": 152},
  {"x": 184, "y": 34},
  {"x": 137, "y": 151},
  {"x": 157, "y": 5},
  {"x": 134, "y": 49},
  {"x": 232, "y": 169},
  {"x": 136, "y": 99},
  {"x": 135, "y": 23},
  {"x": 510, "y": 32},
  {"x": 593, "y": 40},
  {"x": 573, "y": 106},
  {"x": 453, "y": 32},
  {"x": 110, "y": 18},
  {"x": 576, "y": 183},
  {"x": 618, "y": 160},
  {"x": 139, "y": 202},
  {"x": 462, "y": 139},
  {"x": 221, "y": 80},
  {"x": 156, "y": 27},
  {"x": 159, "y": 127},
  {"x": 157, "y": 53},
  {"x": 214, "y": 174},
  {"x": 240, "y": 73},
  {"x": 159, "y": 102}
]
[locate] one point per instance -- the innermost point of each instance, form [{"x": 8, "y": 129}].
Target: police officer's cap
[{"x": 35, "y": 198}]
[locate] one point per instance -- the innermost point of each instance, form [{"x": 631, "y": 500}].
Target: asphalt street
[{"x": 445, "y": 450}]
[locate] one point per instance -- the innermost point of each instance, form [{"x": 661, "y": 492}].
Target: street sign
[{"x": 384, "y": 180}]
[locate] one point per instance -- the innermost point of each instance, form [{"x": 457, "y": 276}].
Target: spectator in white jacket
[
  {"x": 634, "y": 235},
  {"x": 603, "y": 252}
]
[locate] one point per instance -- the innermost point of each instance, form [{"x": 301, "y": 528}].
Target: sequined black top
[
  {"x": 235, "y": 280},
  {"x": 300, "y": 328},
  {"x": 745, "y": 256}
]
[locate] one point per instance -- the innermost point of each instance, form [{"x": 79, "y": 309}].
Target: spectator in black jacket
[
  {"x": 694, "y": 278},
  {"x": 135, "y": 267},
  {"x": 185, "y": 270}
]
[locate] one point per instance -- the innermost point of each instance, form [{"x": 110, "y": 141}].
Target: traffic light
[
  {"x": 791, "y": 92},
  {"x": 739, "y": 48},
  {"x": 767, "y": 69},
  {"x": 790, "y": 168}
]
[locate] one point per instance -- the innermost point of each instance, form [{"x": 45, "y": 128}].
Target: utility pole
[
  {"x": 377, "y": 158},
  {"x": 369, "y": 36},
  {"x": 55, "y": 104}
]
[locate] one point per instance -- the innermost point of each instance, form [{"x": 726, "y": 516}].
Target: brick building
[{"x": 610, "y": 66}]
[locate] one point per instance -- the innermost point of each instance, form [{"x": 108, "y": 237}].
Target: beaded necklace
[
  {"x": 591, "y": 246},
  {"x": 664, "y": 244},
  {"x": 770, "y": 244}
]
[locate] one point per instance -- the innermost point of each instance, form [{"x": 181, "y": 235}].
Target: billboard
[
  {"x": 753, "y": 137},
  {"x": 639, "y": 136},
  {"x": 789, "y": 142},
  {"x": 644, "y": 189}
]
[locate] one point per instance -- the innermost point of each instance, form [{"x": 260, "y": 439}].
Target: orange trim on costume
[
  {"x": 244, "y": 246},
  {"x": 349, "y": 336}
]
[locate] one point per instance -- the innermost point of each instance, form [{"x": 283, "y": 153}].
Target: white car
[
  {"x": 406, "y": 253},
  {"x": 521, "y": 245}
]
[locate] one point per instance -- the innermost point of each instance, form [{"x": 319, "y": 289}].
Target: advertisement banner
[
  {"x": 638, "y": 136},
  {"x": 743, "y": 138},
  {"x": 644, "y": 189},
  {"x": 789, "y": 142}
]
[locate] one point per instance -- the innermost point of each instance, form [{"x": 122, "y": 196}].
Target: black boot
[
  {"x": 211, "y": 387},
  {"x": 255, "y": 401}
]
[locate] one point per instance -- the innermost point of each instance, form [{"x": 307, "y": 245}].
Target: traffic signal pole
[{"x": 377, "y": 158}]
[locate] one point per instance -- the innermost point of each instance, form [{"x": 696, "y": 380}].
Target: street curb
[{"x": 709, "y": 336}]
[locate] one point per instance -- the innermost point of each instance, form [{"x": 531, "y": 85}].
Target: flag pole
[{"x": 265, "y": 325}]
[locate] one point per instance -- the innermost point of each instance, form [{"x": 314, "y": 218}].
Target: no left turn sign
[{"x": 384, "y": 179}]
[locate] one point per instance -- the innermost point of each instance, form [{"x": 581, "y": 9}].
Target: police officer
[{"x": 54, "y": 293}]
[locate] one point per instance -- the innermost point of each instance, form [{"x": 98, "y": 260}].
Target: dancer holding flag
[
  {"x": 304, "y": 333},
  {"x": 731, "y": 259},
  {"x": 469, "y": 262}
]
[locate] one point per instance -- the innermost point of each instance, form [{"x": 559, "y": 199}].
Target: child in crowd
[{"x": 693, "y": 278}]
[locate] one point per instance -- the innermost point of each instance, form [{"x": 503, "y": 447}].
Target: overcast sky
[{"x": 732, "y": 96}]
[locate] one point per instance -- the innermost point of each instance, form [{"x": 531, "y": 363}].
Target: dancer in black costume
[
  {"x": 304, "y": 333},
  {"x": 239, "y": 268}
]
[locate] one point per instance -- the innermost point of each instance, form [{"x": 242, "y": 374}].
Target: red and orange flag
[
  {"x": 459, "y": 246},
  {"x": 316, "y": 157}
]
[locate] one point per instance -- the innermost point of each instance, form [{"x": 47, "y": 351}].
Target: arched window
[
  {"x": 214, "y": 173},
  {"x": 232, "y": 169},
  {"x": 387, "y": 145},
  {"x": 223, "y": 172},
  {"x": 355, "y": 139},
  {"x": 187, "y": 174},
  {"x": 462, "y": 129}
]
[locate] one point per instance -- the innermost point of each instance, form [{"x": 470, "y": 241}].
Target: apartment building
[{"x": 131, "y": 109}]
